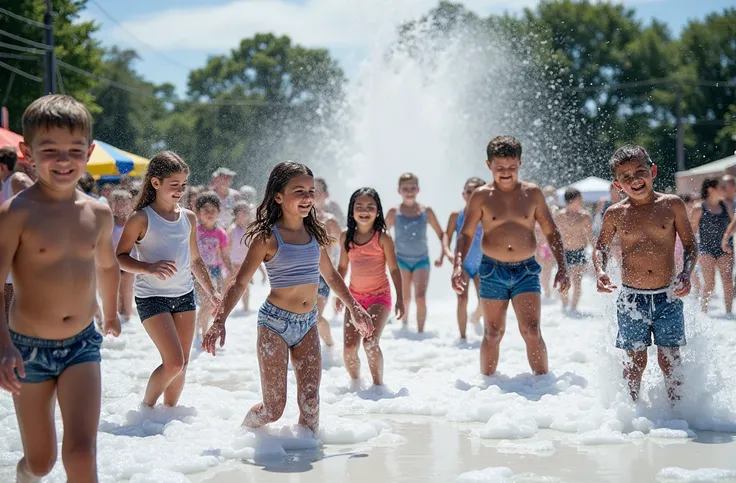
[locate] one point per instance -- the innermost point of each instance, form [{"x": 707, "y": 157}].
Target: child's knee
[
  {"x": 274, "y": 408},
  {"x": 309, "y": 399},
  {"x": 531, "y": 332},
  {"x": 38, "y": 464},
  {"x": 175, "y": 365},
  {"x": 371, "y": 344},
  {"x": 493, "y": 334}
]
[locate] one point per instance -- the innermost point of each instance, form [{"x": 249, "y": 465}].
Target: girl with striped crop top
[
  {"x": 287, "y": 237},
  {"x": 164, "y": 236},
  {"x": 368, "y": 249}
]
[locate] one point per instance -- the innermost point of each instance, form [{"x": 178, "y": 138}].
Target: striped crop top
[
  {"x": 368, "y": 267},
  {"x": 293, "y": 264}
]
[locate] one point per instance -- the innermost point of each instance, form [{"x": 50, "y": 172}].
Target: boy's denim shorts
[
  {"x": 290, "y": 326},
  {"x": 45, "y": 359},
  {"x": 643, "y": 314},
  {"x": 151, "y": 306},
  {"x": 506, "y": 280}
]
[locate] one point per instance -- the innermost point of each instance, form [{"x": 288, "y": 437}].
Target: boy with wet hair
[
  {"x": 509, "y": 209},
  {"x": 576, "y": 228},
  {"x": 647, "y": 224},
  {"x": 58, "y": 242}
]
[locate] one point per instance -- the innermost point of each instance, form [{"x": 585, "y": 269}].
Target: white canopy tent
[{"x": 592, "y": 188}]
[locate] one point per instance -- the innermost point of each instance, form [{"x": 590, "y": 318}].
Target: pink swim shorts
[{"x": 368, "y": 299}]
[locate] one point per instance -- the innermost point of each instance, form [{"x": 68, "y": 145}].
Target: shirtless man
[
  {"x": 58, "y": 242},
  {"x": 508, "y": 210},
  {"x": 576, "y": 227},
  {"x": 646, "y": 223},
  {"x": 13, "y": 181}
]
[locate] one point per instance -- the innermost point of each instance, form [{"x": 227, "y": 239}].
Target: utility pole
[
  {"x": 680, "y": 143},
  {"x": 49, "y": 85}
]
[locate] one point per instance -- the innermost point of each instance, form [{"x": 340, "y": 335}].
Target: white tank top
[
  {"x": 238, "y": 250},
  {"x": 165, "y": 240}
]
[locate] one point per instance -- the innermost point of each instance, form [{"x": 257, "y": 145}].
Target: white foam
[
  {"x": 512, "y": 426},
  {"x": 487, "y": 475},
  {"x": 536, "y": 448},
  {"x": 701, "y": 475}
]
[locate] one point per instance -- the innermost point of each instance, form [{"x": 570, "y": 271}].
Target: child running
[
  {"x": 509, "y": 209},
  {"x": 646, "y": 223},
  {"x": 287, "y": 237},
  {"x": 165, "y": 238},
  {"x": 213, "y": 246},
  {"x": 472, "y": 261},
  {"x": 409, "y": 222},
  {"x": 121, "y": 204},
  {"x": 576, "y": 228},
  {"x": 238, "y": 249},
  {"x": 58, "y": 243},
  {"x": 368, "y": 249}
]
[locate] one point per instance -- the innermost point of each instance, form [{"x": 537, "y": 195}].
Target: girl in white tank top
[{"x": 162, "y": 233}]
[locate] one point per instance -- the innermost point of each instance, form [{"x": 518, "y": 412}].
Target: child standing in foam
[
  {"x": 164, "y": 236},
  {"x": 410, "y": 221},
  {"x": 238, "y": 249},
  {"x": 213, "y": 246},
  {"x": 287, "y": 237},
  {"x": 368, "y": 249},
  {"x": 471, "y": 266},
  {"x": 121, "y": 204}
]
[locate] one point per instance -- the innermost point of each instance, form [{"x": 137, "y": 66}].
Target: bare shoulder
[
  {"x": 531, "y": 189},
  {"x": 343, "y": 235},
  {"x": 384, "y": 238},
  {"x": 190, "y": 215}
]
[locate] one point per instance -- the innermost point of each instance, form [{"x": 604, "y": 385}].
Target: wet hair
[
  {"x": 628, "y": 153},
  {"x": 121, "y": 195},
  {"x": 207, "y": 198},
  {"x": 708, "y": 183},
  {"x": 503, "y": 147},
  {"x": 162, "y": 166},
  {"x": 8, "y": 157},
  {"x": 56, "y": 110},
  {"x": 86, "y": 183},
  {"x": 686, "y": 197},
  {"x": 475, "y": 181},
  {"x": 571, "y": 194},
  {"x": 406, "y": 177},
  {"x": 269, "y": 212},
  {"x": 241, "y": 206},
  {"x": 379, "y": 224}
]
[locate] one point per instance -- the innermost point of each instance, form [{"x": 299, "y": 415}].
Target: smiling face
[
  {"x": 297, "y": 198},
  {"x": 635, "y": 178},
  {"x": 409, "y": 190},
  {"x": 505, "y": 171},
  {"x": 170, "y": 189},
  {"x": 365, "y": 211},
  {"x": 60, "y": 156}
]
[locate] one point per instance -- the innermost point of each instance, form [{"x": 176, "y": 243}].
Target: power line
[
  {"x": 119, "y": 85},
  {"x": 21, "y": 49},
  {"x": 151, "y": 47},
  {"x": 23, "y": 19},
  {"x": 20, "y": 72},
  {"x": 4, "y": 55},
  {"x": 25, "y": 40}
]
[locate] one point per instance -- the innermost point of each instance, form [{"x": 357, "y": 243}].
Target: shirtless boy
[
  {"x": 576, "y": 227},
  {"x": 646, "y": 224},
  {"x": 58, "y": 242},
  {"x": 13, "y": 181},
  {"x": 509, "y": 209}
]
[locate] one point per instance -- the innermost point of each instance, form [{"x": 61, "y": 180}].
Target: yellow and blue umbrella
[{"x": 110, "y": 162}]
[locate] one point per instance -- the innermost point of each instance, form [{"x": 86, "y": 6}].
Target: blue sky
[{"x": 171, "y": 35}]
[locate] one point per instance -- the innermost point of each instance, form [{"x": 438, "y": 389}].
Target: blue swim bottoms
[
  {"x": 646, "y": 313},
  {"x": 471, "y": 269},
  {"x": 506, "y": 280},
  {"x": 150, "y": 306},
  {"x": 323, "y": 290},
  {"x": 290, "y": 326},
  {"x": 45, "y": 359},
  {"x": 413, "y": 265}
]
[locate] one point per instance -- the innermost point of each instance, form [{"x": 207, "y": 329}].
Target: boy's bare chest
[
  {"x": 53, "y": 233},
  {"x": 501, "y": 207},
  {"x": 637, "y": 226}
]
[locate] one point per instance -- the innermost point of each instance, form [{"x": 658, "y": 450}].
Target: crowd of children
[{"x": 175, "y": 249}]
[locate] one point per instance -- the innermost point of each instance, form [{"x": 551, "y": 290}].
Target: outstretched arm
[
  {"x": 389, "y": 251},
  {"x": 602, "y": 249},
  {"x": 554, "y": 239},
  {"x": 390, "y": 218},
  {"x": 449, "y": 233},
  {"x": 473, "y": 214},
  {"x": 687, "y": 238},
  {"x": 360, "y": 318},
  {"x": 199, "y": 269},
  {"x": 11, "y": 226}
]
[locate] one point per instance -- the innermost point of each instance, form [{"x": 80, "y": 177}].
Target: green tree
[{"x": 74, "y": 45}]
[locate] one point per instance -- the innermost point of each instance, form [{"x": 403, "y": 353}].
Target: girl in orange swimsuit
[{"x": 367, "y": 250}]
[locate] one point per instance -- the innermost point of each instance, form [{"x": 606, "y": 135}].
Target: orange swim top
[{"x": 368, "y": 267}]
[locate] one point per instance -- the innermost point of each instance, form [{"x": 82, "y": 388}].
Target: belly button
[{"x": 510, "y": 249}]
